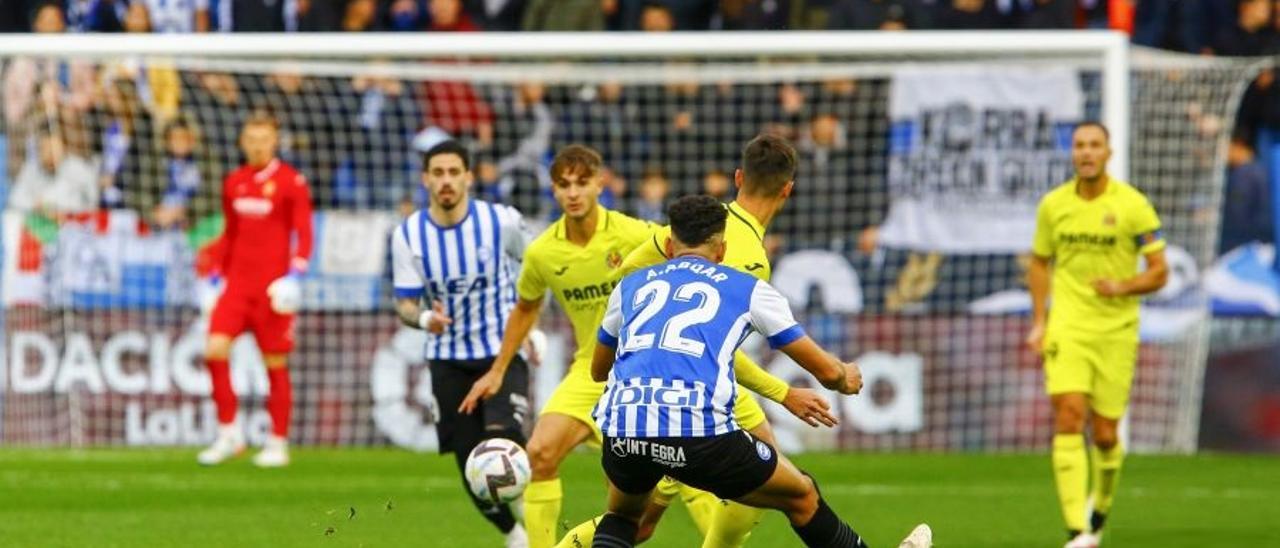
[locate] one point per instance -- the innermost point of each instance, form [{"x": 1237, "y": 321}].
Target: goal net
[{"x": 904, "y": 244}]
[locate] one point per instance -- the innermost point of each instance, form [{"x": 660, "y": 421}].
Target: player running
[
  {"x": 668, "y": 406},
  {"x": 1093, "y": 228},
  {"x": 764, "y": 182},
  {"x": 458, "y": 255},
  {"x": 266, "y": 206},
  {"x": 575, "y": 258}
]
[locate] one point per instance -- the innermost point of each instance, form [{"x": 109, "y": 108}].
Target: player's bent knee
[
  {"x": 218, "y": 347},
  {"x": 544, "y": 462}
]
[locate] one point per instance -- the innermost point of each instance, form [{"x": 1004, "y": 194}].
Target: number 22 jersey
[{"x": 676, "y": 326}]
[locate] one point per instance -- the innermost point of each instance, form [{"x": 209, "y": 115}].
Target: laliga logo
[{"x": 412, "y": 427}]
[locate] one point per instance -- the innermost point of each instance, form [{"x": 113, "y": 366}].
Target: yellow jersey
[
  {"x": 580, "y": 277},
  {"x": 744, "y": 250},
  {"x": 744, "y": 246},
  {"x": 1090, "y": 240}
]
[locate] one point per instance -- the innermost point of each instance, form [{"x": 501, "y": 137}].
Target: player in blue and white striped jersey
[
  {"x": 666, "y": 347},
  {"x": 461, "y": 256}
]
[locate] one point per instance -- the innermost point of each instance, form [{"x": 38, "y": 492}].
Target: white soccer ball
[{"x": 497, "y": 470}]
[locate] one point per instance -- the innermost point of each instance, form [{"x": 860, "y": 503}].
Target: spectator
[
  {"x": 496, "y": 15},
  {"x": 656, "y": 17},
  {"x": 1248, "y": 36},
  {"x": 176, "y": 16},
  {"x": 218, "y": 104},
  {"x": 405, "y": 15},
  {"x": 357, "y": 16},
  {"x": 606, "y": 119},
  {"x": 716, "y": 184},
  {"x": 876, "y": 15},
  {"x": 968, "y": 15},
  {"x": 383, "y": 117},
  {"x": 653, "y": 196},
  {"x": 309, "y": 139},
  {"x": 54, "y": 183},
  {"x": 755, "y": 14},
  {"x": 1048, "y": 14},
  {"x": 1246, "y": 206},
  {"x": 325, "y": 15},
  {"x": 157, "y": 81},
  {"x": 523, "y": 130},
  {"x": 124, "y": 140},
  {"x": 181, "y": 176},
  {"x": 448, "y": 16},
  {"x": 564, "y": 15},
  {"x": 252, "y": 15},
  {"x": 1177, "y": 25},
  {"x": 828, "y": 207},
  {"x": 93, "y": 15}
]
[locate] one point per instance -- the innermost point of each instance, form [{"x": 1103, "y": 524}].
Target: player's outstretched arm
[
  {"x": 756, "y": 379},
  {"x": 519, "y": 324},
  {"x": 834, "y": 374}
]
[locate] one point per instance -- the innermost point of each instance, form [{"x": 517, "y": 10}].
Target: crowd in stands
[{"x": 157, "y": 139}]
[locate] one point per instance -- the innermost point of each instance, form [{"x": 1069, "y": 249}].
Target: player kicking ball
[
  {"x": 665, "y": 350},
  {"x": 267, "y": 206}
]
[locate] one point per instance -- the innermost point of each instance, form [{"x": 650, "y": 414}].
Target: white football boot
[
  {"x": 1084, "y": 540},
  {"x": 274, "y": 453},
  {"x": 228, "y": 445},
  {"x": 517, "y": 537},
  {"x": 920, "y": 537}
]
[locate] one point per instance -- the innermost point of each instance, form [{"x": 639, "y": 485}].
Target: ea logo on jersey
[
  {"x": 1109, "y": 219},
  {"x": 613, "y": 259},
  {"x": 763, "y": 450}
]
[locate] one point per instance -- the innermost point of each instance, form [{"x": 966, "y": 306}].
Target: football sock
[
  {"x": 1071, "y": 473},
  {"x": 1106, "y": 475},
  {"x": 731, "y": 525},
  {"x": 701, "y": 505},
  {"x": 500, "y": 515},
  {"x": 279, "y": 400},
  {"x": 224, "y": 398},
  {"x": 614, "y": 531},
  {"x": 580, "y": 536},
  {"x": 825, "y": 530},
  {"x": 541, "y": 510}
]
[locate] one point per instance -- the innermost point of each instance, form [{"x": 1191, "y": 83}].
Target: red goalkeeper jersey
[{"x": 264, "y": 209}]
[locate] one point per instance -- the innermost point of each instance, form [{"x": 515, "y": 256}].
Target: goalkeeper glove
[
  {"x": 208, "y": 291},
  {"x": 285, "y": 294}
]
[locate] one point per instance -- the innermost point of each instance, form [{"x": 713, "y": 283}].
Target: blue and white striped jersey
[
  {"x": 676, "y": 326},
  {"x": 470, "y": 267}
]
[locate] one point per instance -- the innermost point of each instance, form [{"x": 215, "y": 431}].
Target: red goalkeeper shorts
[{"x": 239, "y": 311}]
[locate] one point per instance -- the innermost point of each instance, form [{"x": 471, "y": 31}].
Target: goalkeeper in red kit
[{"x": 263, "y": 249}]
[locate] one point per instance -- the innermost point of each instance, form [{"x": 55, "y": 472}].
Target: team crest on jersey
[
  {"x": 484, "y": 254},
  {"x": 1109, "y": 219},
  {"x": 613, "y": 259},
  {"x": 268, "y": 188}
]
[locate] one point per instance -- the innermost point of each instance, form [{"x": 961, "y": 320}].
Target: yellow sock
[
  {"x": 1071, "y": 472},
  {"x": 580, "y": 536},
  {"x": 731, "y": 525},
  {"x": 1106, "y": 475},
  {"x": 701, "y": 506},
  {"x": 541, "y": 510}
]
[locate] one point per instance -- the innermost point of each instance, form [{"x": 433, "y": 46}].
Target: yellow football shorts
[
  {"x": 1099, "y": 366},
  {"x": 576, "y": 396}
]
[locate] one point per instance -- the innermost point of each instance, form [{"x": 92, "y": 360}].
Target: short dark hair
[
  {"x": 577, "y": 159},
  {"x": 695, "y": 219},
  {"x": 768, "y": 163},
  {"x": 180, "y": 122},
  {"x": 1093, "y": 123},
  {"x": 448, "y": 146},
  {"x": 261, "y": 118}
]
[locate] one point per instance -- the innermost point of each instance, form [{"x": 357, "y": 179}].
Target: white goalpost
[{"x": 921, "y": 155}]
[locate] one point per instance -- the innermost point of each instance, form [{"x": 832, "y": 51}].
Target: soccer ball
[{"x": 497, "y": 471}]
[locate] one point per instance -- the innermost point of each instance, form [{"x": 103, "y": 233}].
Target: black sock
[
  {"x": 1097, "y": 520},
  {"x": 499, "y": 515},
  {"x": 825, "y": 530},
  {"x": 615, "y": 531}
]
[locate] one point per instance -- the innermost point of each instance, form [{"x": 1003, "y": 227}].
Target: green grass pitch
[{"x": 387, "y": 497}]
